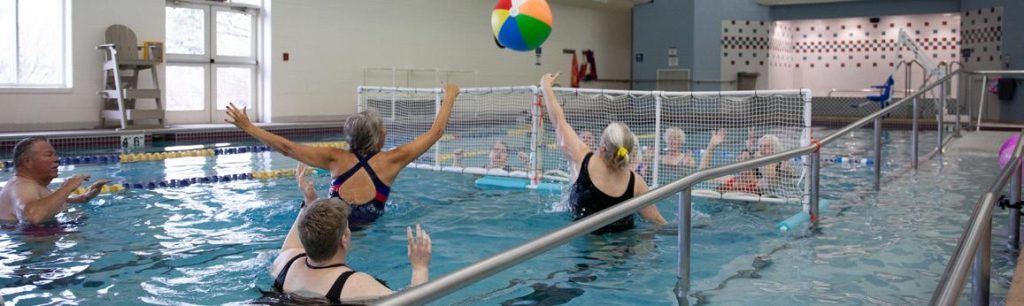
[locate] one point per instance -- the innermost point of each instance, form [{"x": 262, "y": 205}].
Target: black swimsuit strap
[
  {"x": 324, "y": 267},
  {"x": 334, "y": 295},
  {"x": 279, "y": 282}
]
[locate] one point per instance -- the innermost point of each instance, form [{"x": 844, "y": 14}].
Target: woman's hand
[
  {"x": 451, "y": 91},
  {"x": 717, "y": 138},
  {"x": 308, "y": 192},
  {"x": 238, "y": 117},
  {"x": 419, "y": 247},
  {"x": 548, "y": 79}
]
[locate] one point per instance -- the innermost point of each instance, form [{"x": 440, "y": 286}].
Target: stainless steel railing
[
  {"x": 976, "y": 241},
  {"x": 453, "y": 281}
]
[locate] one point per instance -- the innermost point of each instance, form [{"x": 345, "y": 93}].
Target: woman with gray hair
[
  {"x": 362, "y": 177},
  {"x": 601, "y": 177}
]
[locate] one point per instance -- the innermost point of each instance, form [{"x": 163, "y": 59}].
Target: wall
[
  {"x": 79, "y": 107},
  {"x": 691, "y": 26},
  {"x": 330, "y": 42},
  {"x": 707, "y": 35},
  {"x": 1012, "y": 50},
  {"x": 657, "y": 26},
  {"x": 853, "y": 53},
  {"x": 865, "y": 8}
]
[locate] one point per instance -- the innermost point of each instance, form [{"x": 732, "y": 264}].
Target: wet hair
[
  {"x": 22, "y": 149},
  {"x": 363, "y": 132},
  {"x": 322, "y": 225},
  {"x": 615, "y": 136}
]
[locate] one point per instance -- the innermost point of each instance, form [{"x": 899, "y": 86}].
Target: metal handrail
[
  {"x": 952, "y": 281},
  {"x": 463, "y": 277},
  {"x": 864, "y": 90}
]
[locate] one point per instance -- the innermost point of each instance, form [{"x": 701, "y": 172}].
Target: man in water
[{"x": 26, "y": 198}]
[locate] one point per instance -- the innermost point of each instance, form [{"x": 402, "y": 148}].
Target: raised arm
[
  {"x": 717, "y": 138},
  {"x": 572, "y": 146},
  {"x": 407, "y": 153},
  {"x": 31, "y": 208},
  {"x": 419, "y": 255},
  {"x": 650, "y": 213},
  {"x": 317, "y": 157}
]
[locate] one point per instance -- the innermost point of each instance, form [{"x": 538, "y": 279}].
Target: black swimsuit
[
  {"x": 585, "y": 199},
  {"x": 333, "y": 295},
  {"x": 363, "y": 214}
]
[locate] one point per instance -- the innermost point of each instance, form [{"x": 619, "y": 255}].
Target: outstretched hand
[
  {"x": 308, "y": 192},
  {"x": 718, "y": 137},
  {"x": 238, "y": 116},
  {"x": 451, "y": 91},
  {"x": 95, "y": 189},
  {"x": 548, "y": 79},
  {"x": 419, "y": 247}
]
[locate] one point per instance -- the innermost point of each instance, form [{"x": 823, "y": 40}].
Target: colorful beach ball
[{"x": 521, "y": 25}]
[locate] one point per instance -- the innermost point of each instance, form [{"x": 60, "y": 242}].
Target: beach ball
[
  {"x": 521, "y": 25},
  {"x": 1006, "y": 152}
]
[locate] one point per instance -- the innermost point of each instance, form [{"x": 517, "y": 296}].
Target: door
[{"x": 211, "y": 61}]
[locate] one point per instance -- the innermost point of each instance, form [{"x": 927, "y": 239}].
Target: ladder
[{"x": 121, "y": 91}]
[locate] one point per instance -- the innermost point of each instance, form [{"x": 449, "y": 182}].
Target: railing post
[
  {"x": 656, "y": 162},
  {"x": 437, "y": 111},
  {"x": 815, "y": 184},
  {"x": 941, "y": 120},
  {"x": 1013, "y": 237},
  {"x": 914, "y": 134},
  {"x": 980, "y": 274},
  {"x": 683, "y": 199},
  {"x": 878, "y": 153},
  {"x": 959, "y": 104},
  {"x": 981, "y": 102}
]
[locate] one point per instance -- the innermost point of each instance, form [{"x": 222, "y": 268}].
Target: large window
[
  {"x": 34, "y": 44},
  {"x": 211, "y": 58}
]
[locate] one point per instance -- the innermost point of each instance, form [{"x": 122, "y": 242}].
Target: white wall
[
  {"x": 79, "y": 108},
  {"x": 330, "y": 43}
]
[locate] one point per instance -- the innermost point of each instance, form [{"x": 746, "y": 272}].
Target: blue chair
[{"x": 886, "y": 94}]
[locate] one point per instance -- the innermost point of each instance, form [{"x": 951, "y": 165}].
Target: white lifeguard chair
[{"x": 121, "y": 81}]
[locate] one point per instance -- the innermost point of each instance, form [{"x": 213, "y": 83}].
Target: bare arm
[
  {"x": 572, "y": 146},
  {"x": 405, "y": 154},
  {"x": 649, "y": 213},
  {"x": 419, "y": 255},
  {"x": 716, "y": 139},
  {"x": 31, "y": 208},
  {"x": 317, "y": 157}
]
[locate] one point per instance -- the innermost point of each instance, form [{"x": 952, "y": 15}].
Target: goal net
[{"x": 504, "y": 131}]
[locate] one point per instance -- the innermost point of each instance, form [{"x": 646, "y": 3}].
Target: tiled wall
[
  {"x": 853, "y": 53},
  {"x": 983, "y": 34}
]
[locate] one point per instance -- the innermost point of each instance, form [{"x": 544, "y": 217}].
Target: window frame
[{"x": 67, "y": 85}]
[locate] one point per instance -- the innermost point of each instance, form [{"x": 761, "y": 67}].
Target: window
[
  {"x": 35, "y": 36},
  {"x": 211, "y": 58}
]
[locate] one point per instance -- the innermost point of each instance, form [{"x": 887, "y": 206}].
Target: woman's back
[{"x": 599, "y": 187}]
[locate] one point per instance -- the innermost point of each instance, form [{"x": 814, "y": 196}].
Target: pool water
[{"x": 212, "y": 243}]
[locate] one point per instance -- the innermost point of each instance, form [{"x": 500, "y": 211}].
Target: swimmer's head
[
  {"x": 365, "y": 132},
  {"x": 588, "y": 138},
  {"x": 498, "y": 154},
  {"x": 35, "y": 157},
  {"x": 768, "y": 144},
  {"x": 618, "y": 145},
  {"x": 675, "y": 138},
  {"x": 323, "y": 228}
]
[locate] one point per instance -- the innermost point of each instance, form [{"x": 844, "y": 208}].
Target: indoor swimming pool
[{"x": 211, "y": 243}]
